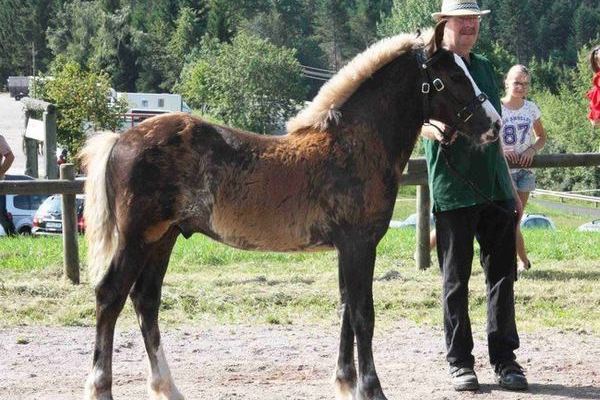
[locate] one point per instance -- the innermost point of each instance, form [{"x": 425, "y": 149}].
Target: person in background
[
  {"x": 462, "y": 214},
  {"x": 594, "y": 93},
  {"x": 523, "y": 136},
  {"x": 6, "y": 159},
  {"x": 62, "y": 158}
]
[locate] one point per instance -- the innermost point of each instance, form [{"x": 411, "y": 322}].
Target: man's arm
[{"x": 7, "y": 161}]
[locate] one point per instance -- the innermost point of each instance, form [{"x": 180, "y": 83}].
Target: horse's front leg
[
  {"x": 145, "y": 295},
  {"x": 357, "y": 261},
  {"x": 345, "y": 373}
]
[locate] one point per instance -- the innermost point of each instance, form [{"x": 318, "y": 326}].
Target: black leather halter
[{"x": 427, "y": 82}]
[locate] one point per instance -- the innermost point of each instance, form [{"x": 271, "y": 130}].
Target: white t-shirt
[{"x": 517, "y": 127}]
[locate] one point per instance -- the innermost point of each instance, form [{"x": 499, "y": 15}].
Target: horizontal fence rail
[
  {"x": 566, "y": 195},
  {"x": 415, "y": 174},
  {"x": 416, "y": 169},
  {"x": 55, "y": 186}
]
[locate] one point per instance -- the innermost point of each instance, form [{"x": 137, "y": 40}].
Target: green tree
[
  {"x": 408, "y": 16},
  {"x": 569, "y": 131},
  {"x": 249, "y": 83},
  {"x": 81, "y": 98},
  {"x": 74, "y": 28},
  {"x": 515, "y": 31},
  {"x": 114, "y": 49},
  {"x": 155, "y": 65},
  {"x": 23, "y": 42},
  {"x": 364, "y": 17},
  {"x": 332, "y": 32},
  {"x": 586, "y": 23}
]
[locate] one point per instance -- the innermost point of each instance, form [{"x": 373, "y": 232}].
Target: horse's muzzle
[{"x": 493, "y": 134}]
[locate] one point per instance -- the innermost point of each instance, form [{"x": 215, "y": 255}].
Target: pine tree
[
  {"x": 515, "y": 31},
  {"x": 332, "y": 31}
]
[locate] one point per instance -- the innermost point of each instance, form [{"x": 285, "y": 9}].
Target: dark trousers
[
  {"x": 6, "y": 223},
  {"x": 495, "y": 232}
]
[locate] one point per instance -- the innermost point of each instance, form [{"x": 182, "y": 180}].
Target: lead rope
[{"x": 443, "y": 149}]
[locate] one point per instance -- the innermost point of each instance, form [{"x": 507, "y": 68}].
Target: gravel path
[{"x": 285, "y": 362}]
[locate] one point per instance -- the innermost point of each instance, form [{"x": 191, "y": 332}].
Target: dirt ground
[{"x": 286, "y": 362}]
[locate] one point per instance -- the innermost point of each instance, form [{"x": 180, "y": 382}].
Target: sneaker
[
  {"x": 510, "y": 375},
  {"x": 464, "y": 378}
]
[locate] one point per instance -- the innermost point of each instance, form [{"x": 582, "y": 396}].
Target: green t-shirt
[{"x": 484, "y": 166}]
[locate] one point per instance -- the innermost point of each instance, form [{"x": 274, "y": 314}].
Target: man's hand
[
  {"x": 434, "y": 130},
  {"x": 596, "y": 123},
  {"x": 518, "y": 208},
  {"x": 527, "y": 157}
]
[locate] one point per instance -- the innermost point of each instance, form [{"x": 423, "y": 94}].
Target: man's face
[{"x": 461, "y": 32}]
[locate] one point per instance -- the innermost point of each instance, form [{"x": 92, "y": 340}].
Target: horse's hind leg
[
  {"x": 357, "y": 261},
  {"x": 111, "y": 294},
  {"x": 345, "y": 373},
  {"x": 145, "y": 296}
]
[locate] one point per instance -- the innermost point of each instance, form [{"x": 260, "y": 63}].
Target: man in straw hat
[{"x": 473, "y": 197}]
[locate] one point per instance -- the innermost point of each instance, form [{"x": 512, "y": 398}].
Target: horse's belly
[{"x": 269, "y": 230}]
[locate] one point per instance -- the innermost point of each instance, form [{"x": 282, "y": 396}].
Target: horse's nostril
[{"x": 496, "y": 127}]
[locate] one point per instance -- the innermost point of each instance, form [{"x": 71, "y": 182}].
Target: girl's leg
[{"x": 523, "y": 260}]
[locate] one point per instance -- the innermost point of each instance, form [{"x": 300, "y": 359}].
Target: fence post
[
  {"x": 50, "y": 142},
  {"x": 423, "y": 257},
  {"x": 30, "y": 148},
  {"x": 69, "y": 227}
]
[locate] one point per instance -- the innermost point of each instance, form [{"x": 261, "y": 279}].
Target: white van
[{"x": 22, "y": 207}]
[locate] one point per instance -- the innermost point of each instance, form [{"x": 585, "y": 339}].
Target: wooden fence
[
  {"x": 68, "y": 187},
  {"x": 416, "y": 174}
]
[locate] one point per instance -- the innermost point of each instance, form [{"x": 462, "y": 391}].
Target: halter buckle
[
  {"x": 438, "y": 84},
  {"x": 465, "y": 115},
  {"x": 425, "y": 88}
]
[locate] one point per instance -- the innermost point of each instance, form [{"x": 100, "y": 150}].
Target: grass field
[{"x": 211, "y": 283}]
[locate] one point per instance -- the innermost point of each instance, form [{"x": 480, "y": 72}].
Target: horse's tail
[{"x": 100, "y": 221}]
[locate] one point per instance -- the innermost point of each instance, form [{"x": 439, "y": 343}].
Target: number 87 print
[{"x": 509, "y": 131}]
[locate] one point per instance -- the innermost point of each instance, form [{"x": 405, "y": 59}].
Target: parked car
[
  {"x": 593, "y": 226},
  {"x": 410, "y": 222},
  {"x": 22, "y": 207},
  {"x": 537, "y": 221},
  {"x": 48, "y": 218}
]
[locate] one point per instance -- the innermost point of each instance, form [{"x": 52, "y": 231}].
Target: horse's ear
[{"x": 437, "y": 38}]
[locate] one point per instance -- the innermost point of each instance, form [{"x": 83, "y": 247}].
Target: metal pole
[
  {"x": 423, "y": 257},
  {"x": 69, "y": 227}
]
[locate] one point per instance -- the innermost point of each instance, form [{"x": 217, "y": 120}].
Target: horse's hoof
[
  {"x": 344, "y": 390},
  {"x": 92, "y": 395},
  {"x": 169, "y": 393}
]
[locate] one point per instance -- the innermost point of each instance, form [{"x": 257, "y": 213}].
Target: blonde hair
[{"x": 518, "y": 68}]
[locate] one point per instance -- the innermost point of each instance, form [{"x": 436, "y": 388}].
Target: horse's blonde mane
[{"x": 325, "y": 106}]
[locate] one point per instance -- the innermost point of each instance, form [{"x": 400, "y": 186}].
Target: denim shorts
[{"x": 524, "y": 180}]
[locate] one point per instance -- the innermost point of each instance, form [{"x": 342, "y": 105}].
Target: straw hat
[{"x": 457, "y": 8}]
